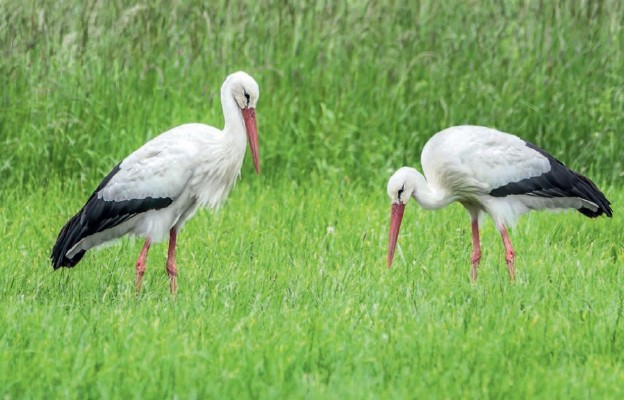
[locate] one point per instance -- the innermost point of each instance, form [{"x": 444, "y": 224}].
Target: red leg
[
  {"x": 475, "y": 259},
  {"x": 171, "y": 264},
  {"x": 509, "y": 253},
  {"x": 140, "y": 265}
]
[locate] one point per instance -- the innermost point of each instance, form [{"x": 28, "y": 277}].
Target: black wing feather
[
  {"x": 96, "y": 216},
  {"x": 560, "y": 181}
]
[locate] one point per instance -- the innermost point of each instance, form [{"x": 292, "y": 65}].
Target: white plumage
[
  {"x": 157, "y": 188},
  {"x": 491, "y": 172}
]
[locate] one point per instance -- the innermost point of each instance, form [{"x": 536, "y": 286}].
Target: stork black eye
[
  {"x": 401, "y": 191},
  {"x": 246, "y": 95}
]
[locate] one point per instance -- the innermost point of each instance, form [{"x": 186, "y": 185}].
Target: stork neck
[
  {"x": 430, "y": 198},
  {"x": 234, "y": 124}
]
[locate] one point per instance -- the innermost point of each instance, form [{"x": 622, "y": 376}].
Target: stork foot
[
  {"x": 172, "y": 271},
  {"x": 173, "y": 285},
  {"x": 510, "y": 253},
  {"x": 173, "y": 274},
  {"x": 139, "y": 279},
  {"x": 473, "y": 273},
  {"x": 474, "y": 265},
  {"x": 509, "y": 257},
  {"x": 475, "y": 259},
  {"x": 140, "y": 265}
]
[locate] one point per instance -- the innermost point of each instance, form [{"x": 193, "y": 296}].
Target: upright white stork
[
  {"x": 493, "y": 172},
  {"x": 157, "y": 188}
]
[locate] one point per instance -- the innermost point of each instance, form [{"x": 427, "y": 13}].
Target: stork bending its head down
[
  {"x": 493, "y": 172},
  {"x": 157, "y": 188}
]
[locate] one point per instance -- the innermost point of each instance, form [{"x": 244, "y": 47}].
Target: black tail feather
[
  {"x": 74, "y": 231},
  {"x": 560, "y": 181},
  {"x": 588, "y": 190},
  {"x": 68, "y": 237},
  {"x": 98, "y": 215}
]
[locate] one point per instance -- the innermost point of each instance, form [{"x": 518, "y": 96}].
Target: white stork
[
  {"x": 493, "y": 172},
  {"x": 157, "y": 188}
]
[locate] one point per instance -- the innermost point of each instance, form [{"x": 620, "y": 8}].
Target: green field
[{"x": 284, "y": 292}]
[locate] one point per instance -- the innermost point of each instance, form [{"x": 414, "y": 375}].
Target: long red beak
[
  {"x": 395, "y": 225},
  {"x": 249, "y": 115}
]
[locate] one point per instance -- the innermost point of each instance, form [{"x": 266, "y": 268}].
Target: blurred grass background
[{"x": 348, "y": 89}]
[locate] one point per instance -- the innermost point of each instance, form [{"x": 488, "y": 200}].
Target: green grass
[
  {"x": 284, "y": 292},
  {"x": 274, "y": 303}
]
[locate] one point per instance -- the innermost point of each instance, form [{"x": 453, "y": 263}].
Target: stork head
[
  {"x": 401, "y": 187},
  {"x": 246, "y": 93}
]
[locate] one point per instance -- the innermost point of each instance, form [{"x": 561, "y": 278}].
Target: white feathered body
[
  {"x": 469, "y": 163},
  {"x": 193, "y": 164}
]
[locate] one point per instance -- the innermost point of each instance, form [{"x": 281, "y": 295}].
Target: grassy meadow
[{"x": 284, "y": 291}]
